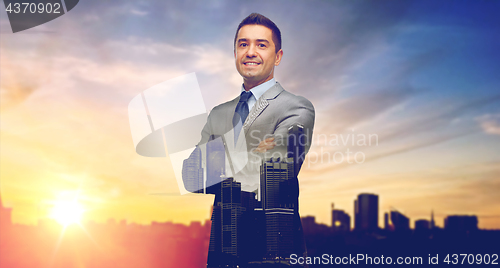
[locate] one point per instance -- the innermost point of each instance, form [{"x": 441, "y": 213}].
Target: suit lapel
[{"x": 261, "y": 105}]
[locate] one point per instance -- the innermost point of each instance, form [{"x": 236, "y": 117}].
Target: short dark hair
[{"x": 256, "y": 18}]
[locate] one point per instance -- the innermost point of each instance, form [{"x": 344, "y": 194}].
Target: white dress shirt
[{"x": 257, "y": 92}]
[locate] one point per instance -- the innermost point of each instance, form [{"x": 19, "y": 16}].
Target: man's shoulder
[
  {"x": 221, "y": 110},
  {"x": 224, "y": 106},
  {"x": 292, "y": 99}
]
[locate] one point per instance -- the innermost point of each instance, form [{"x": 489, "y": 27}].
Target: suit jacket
[{"x": 271, "y": 116}]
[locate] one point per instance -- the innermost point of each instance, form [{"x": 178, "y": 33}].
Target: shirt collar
[{"x": 261, "y": 89}]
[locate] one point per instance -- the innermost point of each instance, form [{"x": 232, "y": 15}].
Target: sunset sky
[{"x": 423, "y": 76}]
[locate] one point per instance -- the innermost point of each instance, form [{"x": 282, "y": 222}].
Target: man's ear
[{"x": 279, "y": 55}]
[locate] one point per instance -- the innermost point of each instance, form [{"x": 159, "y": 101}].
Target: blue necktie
[{"x": 241, "y": 112}]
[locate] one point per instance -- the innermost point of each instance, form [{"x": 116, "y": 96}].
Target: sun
[{"x": 67, "y": 212}]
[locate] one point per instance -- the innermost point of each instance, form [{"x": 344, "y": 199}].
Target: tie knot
[{"x": 245, "y": 95}]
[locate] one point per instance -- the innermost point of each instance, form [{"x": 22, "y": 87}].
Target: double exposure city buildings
[{"x": 250, "y": 227}]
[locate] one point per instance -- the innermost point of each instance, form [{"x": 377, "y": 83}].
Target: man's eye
[
  {"x": 243, "y": 45},
  {"x": 262, "y": 45}
]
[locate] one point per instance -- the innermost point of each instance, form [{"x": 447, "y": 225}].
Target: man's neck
[{"x": 251, "y": 84}]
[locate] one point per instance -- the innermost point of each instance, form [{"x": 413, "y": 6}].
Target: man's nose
[{"x": 252, "y": 51}]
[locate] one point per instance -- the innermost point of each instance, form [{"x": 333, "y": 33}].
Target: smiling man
[
  {"x": 257, "y": 51},
  {"x": 241, "y": 136}
]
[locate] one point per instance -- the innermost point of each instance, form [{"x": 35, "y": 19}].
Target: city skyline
[
  {"x": 118, "y": 243},
  {"x": 84, "y": 221}
]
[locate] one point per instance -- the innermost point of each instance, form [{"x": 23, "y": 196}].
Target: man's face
[{"x": 255, "y": 54}]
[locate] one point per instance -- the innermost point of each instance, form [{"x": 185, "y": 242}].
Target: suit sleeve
[
  {"x": 191, "y": 182},
  {"x": 301, "y": 113}
]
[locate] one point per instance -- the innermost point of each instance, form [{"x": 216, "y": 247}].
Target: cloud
[
  {"x": 433, "y": 117},
  {"x": 181, "y": 25},
  {"x": 351, "y": 111},
  {"x": 128, "y": 68},
  {"x": 328, "y": 165},
  {"x": 419, "y": 128},
  {"x": 490, "y": 123},
  {"x": 18, "y": 80},
  {"x": 138, "y": 12},
  {"x": 335, "y": 39}
]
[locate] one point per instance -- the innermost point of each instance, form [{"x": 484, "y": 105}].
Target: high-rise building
[
  {"x": 341, "y": 221},
  {"x": 279, "y": 206},
  {"x": 192, "y": 172},
  {"x": 279, "y": 232},
  {"x": 231, "y": 212},
  {"x": 252, "y": 234},
  {"x": 215, "y": 164},
  {"x": 276, "y": 177},
  {"x": 225, "y": 239},
  {"x": 366, "y": 212},
  {"x": 215, "y": 244},
  {"x": 296, "y": 143}
]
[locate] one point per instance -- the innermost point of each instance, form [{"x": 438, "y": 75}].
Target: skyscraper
[
  {"x": 215, "y": 164},
  {"x": 231, "y": 212},
  {"x": 296, "y": 146},
  {"x": 215, "y": 244},
  {"x": 252, "y": 240},
  {"x": 276, "y": 177},
  {"x": 192, "y": 172},
  {"x": 279, "y": 232},
  {"x": 225, "y": 239},
  {"x": 279, "y": 206},
  {"x": 366, "y": 212}
]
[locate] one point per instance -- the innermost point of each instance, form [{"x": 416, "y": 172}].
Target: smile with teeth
[{"x": 251, "y": 63}]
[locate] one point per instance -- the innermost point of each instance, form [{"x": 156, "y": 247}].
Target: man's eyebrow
[{"x": 246, "y": 40}]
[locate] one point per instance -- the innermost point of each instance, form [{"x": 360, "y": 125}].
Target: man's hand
[{"x": 265, "y": 145}]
